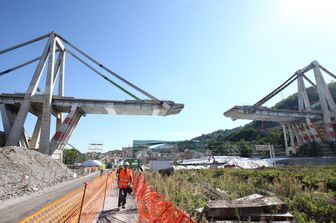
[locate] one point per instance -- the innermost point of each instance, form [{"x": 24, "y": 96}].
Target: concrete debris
[
  {"x": 23, "y": 170},
  {"x": 250, "y": 197},
  {"x": 251, "y": 208},
  {"x": 35, "y": 189},
  {"x": 199, "y": 210}
]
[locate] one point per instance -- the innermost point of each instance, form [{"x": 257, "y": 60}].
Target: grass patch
[{"x": 310, "y": 192}]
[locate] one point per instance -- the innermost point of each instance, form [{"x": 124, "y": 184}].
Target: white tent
[{"x": 90, "y": 163}]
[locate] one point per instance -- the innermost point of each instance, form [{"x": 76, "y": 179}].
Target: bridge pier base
[{"x": 36, "y": 135}]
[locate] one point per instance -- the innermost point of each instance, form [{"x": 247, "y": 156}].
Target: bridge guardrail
[
  {"x": 153, "y": 207},
  {"x": 81, "y": 205}
]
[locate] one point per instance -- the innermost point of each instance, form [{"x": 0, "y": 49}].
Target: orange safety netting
[
  {"x": 81, "y": 205},
  {"x": 153, "y": 207}
]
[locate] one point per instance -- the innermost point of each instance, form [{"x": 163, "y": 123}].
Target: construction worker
[
  {"x": 124, "y": 183},
  {"x": 102, "y": 168}
]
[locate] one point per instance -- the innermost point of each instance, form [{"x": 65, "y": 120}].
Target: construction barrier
[
  {"x": 81, "y": 205},
  {"x": 153, "y": 207}
]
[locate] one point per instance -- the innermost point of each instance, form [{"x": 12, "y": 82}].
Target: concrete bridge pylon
[
  {"x": 15, "y": 107},
  {"x": 303, "y": 125}
]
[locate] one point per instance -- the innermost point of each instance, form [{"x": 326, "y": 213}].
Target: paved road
[{"x": 14, "y": 210}]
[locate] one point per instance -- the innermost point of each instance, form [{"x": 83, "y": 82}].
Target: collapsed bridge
[
  {"x": 305, "y": 125},
  {"x": 15, "y": 107}
]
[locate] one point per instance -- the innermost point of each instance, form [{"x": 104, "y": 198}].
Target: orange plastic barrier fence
[
  {"x": 153, "y": 207},
  {"x": 81, "y": 205}
]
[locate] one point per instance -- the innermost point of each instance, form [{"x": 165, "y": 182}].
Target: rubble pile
[{"x": 23, "y": 170}]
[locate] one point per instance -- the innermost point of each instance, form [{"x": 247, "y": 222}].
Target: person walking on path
[
  {"x": 124, "y": 183},
  {"x": 102, "y": 168}
]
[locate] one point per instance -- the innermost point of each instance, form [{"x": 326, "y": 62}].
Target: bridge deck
[
  {"x": 92, "y": 106},
  {"x": 270, "y": 114}
]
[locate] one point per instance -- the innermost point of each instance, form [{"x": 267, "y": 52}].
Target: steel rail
[
  {"x": 24, "y": 44},
  {"x": 312, "y": 83},
  {"x": 19, "y": 66},
  {"x": 102, "y": 75},
  {"x": 110, "y": 71},
  {"x": 289, "y": 81},
  {"x": 327, "y": 71}
]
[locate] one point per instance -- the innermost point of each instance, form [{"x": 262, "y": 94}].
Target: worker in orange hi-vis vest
[{"x": 124, "y": 183}]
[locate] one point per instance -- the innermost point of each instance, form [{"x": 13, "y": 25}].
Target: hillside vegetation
[
  {"x": 310, "y": 192},
  {"x": 242, "y": 139}
]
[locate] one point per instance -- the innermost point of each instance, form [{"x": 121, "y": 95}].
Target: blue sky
[{"x": 207, "y": 54}]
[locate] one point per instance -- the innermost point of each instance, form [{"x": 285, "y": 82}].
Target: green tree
[
  {"x": 215, "y": 146},
  {"x": 247, "y": 134},
  {"x": 244, "y": 148},
  {"x": 275, "y": 138},
  {"x": 70, "y": 156},
  {"x": 82, "y": 158}
]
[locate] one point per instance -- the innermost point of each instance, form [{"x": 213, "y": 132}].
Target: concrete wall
[{"x": 156, "y": 165}]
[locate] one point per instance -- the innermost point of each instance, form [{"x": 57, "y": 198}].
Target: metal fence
[
  {"x": 85, "y": 204},
  {"x": 81, "y": 205},
  {"x": 153, "y": 207}
]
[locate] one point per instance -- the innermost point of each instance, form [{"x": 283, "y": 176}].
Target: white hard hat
[{"x": 126, "y": 164}]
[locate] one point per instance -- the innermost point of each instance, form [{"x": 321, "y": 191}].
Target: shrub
[{"x": 309, "y": 191}]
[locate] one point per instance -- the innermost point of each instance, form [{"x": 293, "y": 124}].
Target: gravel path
[
  {"x": 14, "y": 210},
  {"x": 111, "y": 213}
]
